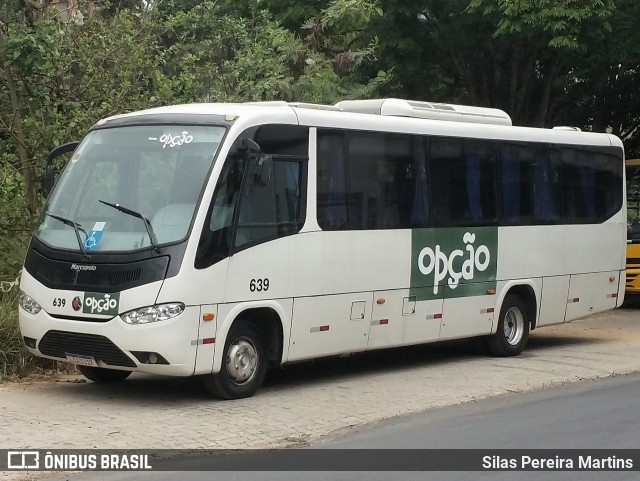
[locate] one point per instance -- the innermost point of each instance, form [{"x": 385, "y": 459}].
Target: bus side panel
[
  {"x": 591, "y": 293},
  {"x": 332, "y": 276},
  {"x": 196, "y": 287},
  {"x": 399, "y": 319},
  {"x": 534, "y": 251},
  {"x": 553, "y": 305},
  {"x": 555, "y": 250},
  {"x": 330, "y": 325},
  {"x": 206, "y": 340},
  {"x": 467, "y": 316}
]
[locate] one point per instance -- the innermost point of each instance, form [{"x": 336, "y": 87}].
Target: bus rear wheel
[
  {"x": 244, "y": 365},
  {"x": 513, "y": 328},
  {"x": 103, "y": 375}
]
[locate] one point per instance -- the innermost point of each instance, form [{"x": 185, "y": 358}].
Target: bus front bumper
[{"x": 165, "y": 347}]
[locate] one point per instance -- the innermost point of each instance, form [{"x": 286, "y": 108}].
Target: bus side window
[
  {"x": 273, "y": 210},
  {"x": 591, "y": 182},
  {"x": 215, "y": 240},
  {"x": 277, "y": 208},
  {"x": 333, "y": 212},
  {"x": 371, "y": 180},
  {"x": 462, "y": 180},
  {"x": 517, "y": 192},
  {"x": 546, "y": 186}
]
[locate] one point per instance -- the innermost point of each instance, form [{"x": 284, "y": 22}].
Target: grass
[
  {"x": 15, "y": 360},
  {"x": 14, "y": 357}
]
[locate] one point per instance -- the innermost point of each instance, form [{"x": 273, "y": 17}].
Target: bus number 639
[{"x": 259, "y": 285}]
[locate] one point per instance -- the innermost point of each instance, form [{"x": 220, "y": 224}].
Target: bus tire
[
  {"x": 103, "y": 375},
  {"x": 244, "y": 364},
  {"x": 512, "y": 333}
]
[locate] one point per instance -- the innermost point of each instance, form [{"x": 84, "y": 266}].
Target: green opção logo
[
  {"x": 104, "y": 304},
  {"x": 453, "y": 262}
]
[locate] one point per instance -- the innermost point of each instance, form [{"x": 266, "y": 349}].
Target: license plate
[{"x": 84, "y": 360}]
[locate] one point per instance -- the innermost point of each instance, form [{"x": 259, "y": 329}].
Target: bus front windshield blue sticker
[{"x": 94, "y": 236}]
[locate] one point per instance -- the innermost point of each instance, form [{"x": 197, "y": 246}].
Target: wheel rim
[
  {"x": 242, "y": 361},
  {"x": 513, "y": 326}
]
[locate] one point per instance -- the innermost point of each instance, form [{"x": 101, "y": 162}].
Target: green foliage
[
  {"x": 13, "y": 216},
  {"x": 517, "y": 55},
  {"x": 59, "y": 77},
  {"x": 340, "y": 31},
  {"x": 564, "y": 22},
  {"x": 237, "y": 58},
  {"x": 12, "y": 353},
  {"x": 602, "y": 93}
]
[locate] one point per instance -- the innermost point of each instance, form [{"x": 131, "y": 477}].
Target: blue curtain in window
[
  {"x": 292, "y": 190},
  {"x": 336, "y": 206},
  {"x": 510, "y": 172},
  {"x": 588, "y": 186},
  {"x": 473, "y": 212},
  {"x": 420, "y": 207},
  {"x": 545, "y": 185}
]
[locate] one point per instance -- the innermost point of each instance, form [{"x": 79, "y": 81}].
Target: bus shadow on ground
[
  {"x": 161, "y": 389},
  {"x": 188, "y": 391},
  {"x": 404, "y": 358},
  {"x": 539, "y": 342}
]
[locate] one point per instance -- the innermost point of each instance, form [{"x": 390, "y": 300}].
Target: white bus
[{"x": 220, "y": 239}]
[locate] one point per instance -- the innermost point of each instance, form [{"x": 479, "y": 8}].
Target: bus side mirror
[
  {"x": 255, "y": 159},
  {"x": 264, "y": 167},
  {"x": 48, "y": 180},
  {"x": 49, "y": 169}
]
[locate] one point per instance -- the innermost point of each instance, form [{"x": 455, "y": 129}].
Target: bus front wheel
[
  {"x": 244, "y": 364},
  {"x": 102, "y": 375},
  {"x": 513, "y": 328}
]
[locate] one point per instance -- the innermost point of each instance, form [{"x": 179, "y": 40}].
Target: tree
[
  {"x": 60, "y": 77},
  {"x": 602, "y": 94},
  {"x": 550, "y": 32},
  {"x": 514, "y": 55},
  {"x": 18, "y": 50},
  {"x": 243, "y": 53}
]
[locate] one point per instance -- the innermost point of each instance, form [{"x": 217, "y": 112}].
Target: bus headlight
[
  {"x": 28, "y": 304},
  {"x": 159, "y": 312}
]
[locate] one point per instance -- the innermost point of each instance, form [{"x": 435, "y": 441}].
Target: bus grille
[
  {"x": 90, "y": 278},
  {"x": 61, "y": 343},
  {"x": 107, "y": 278}
]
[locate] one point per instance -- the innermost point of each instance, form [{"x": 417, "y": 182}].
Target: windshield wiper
[
  {"x": 133, "y": 213},
  {"x": 76, "y": 227}
]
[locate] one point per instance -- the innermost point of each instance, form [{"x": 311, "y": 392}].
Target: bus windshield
[
  {"x": 633, "y": 199},
  {"x": 130, "y": 188}
]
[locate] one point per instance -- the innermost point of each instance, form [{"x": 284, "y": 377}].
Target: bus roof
[{"x": 392, "y": 115}]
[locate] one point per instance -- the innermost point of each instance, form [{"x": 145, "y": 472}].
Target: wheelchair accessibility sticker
[{"x": 94, "y": 236}]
